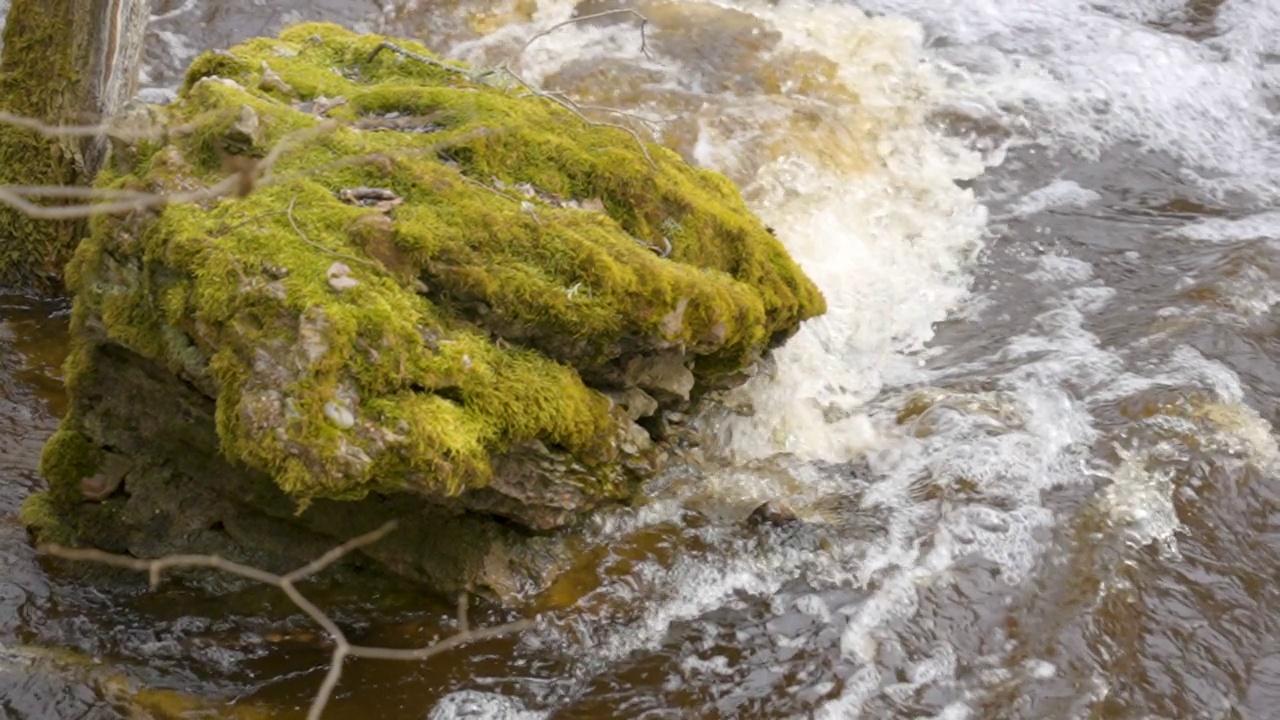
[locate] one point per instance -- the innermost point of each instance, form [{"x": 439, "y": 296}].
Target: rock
[
  {"x": 339, "y": 415},
  {"x": 273, "y": 403},
  {"x": 773, "y": 513},
  {"x": 102, "y": 485},
  {"x": 245, "y": 133},
  {"x": 272, "y": 82},
  {"x": 339, "y": 275},
  {"x": 665, "y": 375},
  {"x": 56, "y": 682},
  {"x": 635, "y": 402}
]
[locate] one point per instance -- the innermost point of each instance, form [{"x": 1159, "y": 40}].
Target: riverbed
[{"x": 1034, "y": 438}]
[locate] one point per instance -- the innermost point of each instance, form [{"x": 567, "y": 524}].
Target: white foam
[
  {"x": 1249, "y": 27},
  {"x": 1140, "y": 501},
  {"x": 1089, "y": 77},
  {"x": 1062, "y": 268},
  {"x": 1055, "y": 195},
  {"x": 1265, "y": 225},
  {"x": 476, "y": 705}
]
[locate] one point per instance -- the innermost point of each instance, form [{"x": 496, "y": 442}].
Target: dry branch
[
  {"x": 559, "y": 98},
  {"x": 342, "y": 648},
  {"x": 644, "y": 22},
  {"x": 414, "y": 56},
  {"x": 294, "y": 224}
]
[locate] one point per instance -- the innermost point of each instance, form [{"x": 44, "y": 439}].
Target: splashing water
[{"x": 1030, "y": 450}]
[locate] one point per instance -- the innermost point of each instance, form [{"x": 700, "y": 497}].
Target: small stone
[
  {"x": 322, "y": 105},
  {"x": 276, "y": 272},
  {"x": 663, "y": 376},
  {"x": 380, "y": 199},
  {"x": 339, "y": 415},
  {"x": 340, "y": 278},
  {"x": 636, "y": 402},
  {"x": 313, "y": 329},
  {"x": 634, "y": 440},
  {"x": 673, "y": 322},
  {"x": 110, "y": 477},
  {"x": 772, "y": 513},
  {"x": 246, "y": 132},
  {"x": 271, "y": 81}
]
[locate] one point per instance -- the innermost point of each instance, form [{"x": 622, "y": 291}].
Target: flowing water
[{"x": 1034, "y": 437}]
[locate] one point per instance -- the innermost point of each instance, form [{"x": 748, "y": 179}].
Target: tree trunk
[{"x": 64, "y": 62}]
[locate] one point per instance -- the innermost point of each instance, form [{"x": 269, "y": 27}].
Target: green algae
[{"x": 477, "y": 306}]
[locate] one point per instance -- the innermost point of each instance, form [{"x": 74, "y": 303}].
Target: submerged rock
[{"x": 292, "y": 362}]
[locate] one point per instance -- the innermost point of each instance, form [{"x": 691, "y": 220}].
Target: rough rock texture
[{"x": 424, "y": 297}]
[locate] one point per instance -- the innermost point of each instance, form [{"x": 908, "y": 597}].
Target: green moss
[
  {"x": 475, "y": 309},
  {"x": 39, "y": 513},
  {"x": 67, "y": 458},
  {"x": 43, "y": 62}
]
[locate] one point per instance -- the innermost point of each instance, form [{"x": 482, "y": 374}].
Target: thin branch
[
  {"x": 69, "y": 212},
  {"x": 571, "y": 107},
  {"x": 449, "y": 643},
  {"x": 494, "y": 190},
  {"x": 246, "y": 221},
  {"x": 78, "y": 192},
  {"x": 644, "y": 22},
  {"x": 54, "y": 130},
  {"x": 464, "y": 603},
  {"x": 384, "y": 45},
  {"x": 256, "y": 174},
  {"x": 336, "y": 554},
  {"x": 318, "y": 246},
  {"x": 652, "y": 123},
  {"x": 342, "y": 648},
  {"x": 565, "y": 102},
  {"x": 107, "y": 128}
]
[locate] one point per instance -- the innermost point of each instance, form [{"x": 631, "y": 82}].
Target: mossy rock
[{"x": 430, "y": 289}]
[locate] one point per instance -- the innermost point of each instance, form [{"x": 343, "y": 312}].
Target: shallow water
[{"x": 1036, "y": 431}]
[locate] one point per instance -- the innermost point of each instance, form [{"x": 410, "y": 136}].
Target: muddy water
[{"x": 1034, "y": 439}]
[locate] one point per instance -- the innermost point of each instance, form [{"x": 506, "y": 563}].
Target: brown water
[{"x": 1044, "y": 400}]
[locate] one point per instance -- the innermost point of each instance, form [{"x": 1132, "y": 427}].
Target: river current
[{"x": 1035, "y": 435}]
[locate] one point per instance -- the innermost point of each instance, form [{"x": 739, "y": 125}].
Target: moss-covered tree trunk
[{"x": 65, "y": 62}]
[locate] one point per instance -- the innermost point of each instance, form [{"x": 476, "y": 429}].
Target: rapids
[{"x": 1034, "y": 437}]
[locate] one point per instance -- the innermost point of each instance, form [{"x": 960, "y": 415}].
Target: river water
[{"x": 1035, "y": 434}]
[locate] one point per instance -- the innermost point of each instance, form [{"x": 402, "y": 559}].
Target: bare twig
[
  {"x": 107, "y": 128},
  {"x": 464, "y": 604},
  {"x": 342, "y": 648},
  {"x": 571, "y": 107},
  {"x": 644, "y": 22},
  {"x": 142, "y": 202},
  {"x": 416, "y": 56},
  {"x": 494, "y": 190},
  {"x": 54, "y": 130},
  {"x": 566, "y": 103},
  {"x": 256, "y": 174},
  {"x": 650, "y": 122},
  {"x": 318, "y": 246},
  {"x": 246, "y": 221}
]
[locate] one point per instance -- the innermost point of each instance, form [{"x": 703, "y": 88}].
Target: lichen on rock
[{"x": 425, "y": 286}]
